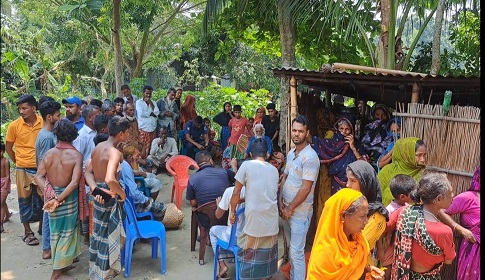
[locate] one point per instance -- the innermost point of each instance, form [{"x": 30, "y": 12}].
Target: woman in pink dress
[{"x": 467, "y": 204}]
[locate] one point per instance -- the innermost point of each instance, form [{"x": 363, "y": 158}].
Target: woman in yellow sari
[{"x": 340, "y": 251}]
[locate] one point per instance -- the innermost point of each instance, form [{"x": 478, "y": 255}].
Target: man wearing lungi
[
  {"x": 60, "y": 171},
  {"x": 102, "y": 173},
  {"x": 258, "y": 253},
  {"x": 296, "y": 195},
  {"x": 22, "y": 134}
]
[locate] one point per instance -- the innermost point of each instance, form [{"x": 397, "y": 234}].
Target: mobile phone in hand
[{"x": 106, "y": 196}]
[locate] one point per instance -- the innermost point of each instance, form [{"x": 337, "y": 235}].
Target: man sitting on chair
[
  {"x": 141, "y": 203},
  {"x": 224, "y": 232},
  {"x": 161, "y": 150},
  {"x": 196, "y": 137}
]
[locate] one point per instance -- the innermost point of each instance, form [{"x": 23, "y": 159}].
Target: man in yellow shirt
[{"x": 22, "y": 134}]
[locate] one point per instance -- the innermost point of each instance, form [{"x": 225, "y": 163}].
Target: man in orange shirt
[{"x": 22, "y": 134}]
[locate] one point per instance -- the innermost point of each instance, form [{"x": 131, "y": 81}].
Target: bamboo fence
[{"x": 453, "y": 145}]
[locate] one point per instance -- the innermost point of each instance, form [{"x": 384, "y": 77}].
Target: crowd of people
[{"x": 362, "y": 199}]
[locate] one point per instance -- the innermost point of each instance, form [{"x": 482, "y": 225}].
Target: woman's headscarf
[
  {"x": 333, "y": 256},
  {"x": 383, "y": 107},
  {"x": 259, "y": 119},
  {"x": 475, "y": 185},
  {"x": 187, "y": 112},
  {"x": 369, "y": 186},
  {"x": 223, "y": 117},
  {"x": 403, "y": 162}
]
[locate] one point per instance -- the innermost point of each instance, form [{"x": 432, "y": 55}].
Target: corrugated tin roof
[{"x": 384, "y": 87}]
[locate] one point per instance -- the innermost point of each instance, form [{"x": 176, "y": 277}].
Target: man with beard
[
  {"x": 258, "y": 131},
  {"x": 22, "y": 134},
  {"x": 46, "y": 140},
  {"x": 168, "y": 112},
  {"x": 296, "y": 195},
  {"x": 73, "y": 111}
]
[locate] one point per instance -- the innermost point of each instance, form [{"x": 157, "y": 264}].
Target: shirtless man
[
  {"x": 58, "y": 176},
  {"x": 101, "y": 175}
]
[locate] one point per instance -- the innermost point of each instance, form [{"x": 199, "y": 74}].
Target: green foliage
[{"x": 209, "y": 102}]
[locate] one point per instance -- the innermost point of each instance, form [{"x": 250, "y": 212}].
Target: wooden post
[
  {"x": 415, "y": 93},
  {"x": 293, "y": 110}
]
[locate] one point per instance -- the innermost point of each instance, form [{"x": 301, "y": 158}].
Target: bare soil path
[{"x": 20, "y": 261}]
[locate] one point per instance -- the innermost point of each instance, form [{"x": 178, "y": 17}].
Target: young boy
[
  {"x": 5, "y": 187},
  {"x": 401, "y": 186},
  {"x": 102, "y": 175}
]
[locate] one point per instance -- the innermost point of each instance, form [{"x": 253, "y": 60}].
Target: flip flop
[
  {"x": 223, "y": 276},
  {"x": 30, "y": 239}
]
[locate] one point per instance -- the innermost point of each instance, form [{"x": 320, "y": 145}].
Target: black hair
[
  {"x": 117, "y": 124},
  {"x": 206, "y": 119},
  {"x": 431, "y": 186},
  {"x": 147, "y": 87},
  {"x": 402, "y": 184},
  {"x": 100, "y": 137},
  {"x": 258, "y": 148},
  {"x": 251, "y": 119},
  {"x": 198, "y": 120},
  {"x": 203, "y": 157},
  {"x": 237, "y": 108},
  {"x": 125, "y": 86},
  {"x": 119, "y": 100},
  {"x": 100, "y": 121},
  {"x": 270, "y": 106},
  {"x": 171, "y": 90},
  {"x": 27, "y": 98},
  {"x": 65, "y": 130},
  {"x": 300, "y": 119},
  {"x": 96, "y": 102},
  {"x": 224, "y": 106},
  {"x": 49, "y": 108},
  {"x": 2, "y": 146},
  {"x": 419, "y": 143},
  {"x": 44, "y": 98}
]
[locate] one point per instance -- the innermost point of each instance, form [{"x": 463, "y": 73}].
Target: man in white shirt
[
  {"x": 162, "y": 149},
  {"x": 147, "y": 113},
  {"x": 84, "y": 143}
]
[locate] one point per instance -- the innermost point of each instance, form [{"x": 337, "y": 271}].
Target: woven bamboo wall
[{"x": 453, "y": 145}]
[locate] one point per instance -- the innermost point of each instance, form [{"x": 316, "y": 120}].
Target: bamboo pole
[
  {"x": 345, "y": 66},
  {"x": 293, "y": 106},
  {"x": 436, "y": 117},
  {"x": 415, "y": 93}
]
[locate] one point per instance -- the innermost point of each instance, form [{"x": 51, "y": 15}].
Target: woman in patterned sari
[
  {"x": 337, "y": 149},
  {"x": 467, "y": 204},
  {"x": 423, "y": 242}
]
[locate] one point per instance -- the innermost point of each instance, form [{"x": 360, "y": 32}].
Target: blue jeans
[
  {"x": 46, "y": 232},
  {"x": 296, "y": 229}
]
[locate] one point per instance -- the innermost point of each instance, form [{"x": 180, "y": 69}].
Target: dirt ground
[{"x": 20, "y": 261}]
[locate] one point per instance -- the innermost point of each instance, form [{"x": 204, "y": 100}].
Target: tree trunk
[
  {"x": 143, "y": 48},
  {"x": 117, "y": 46},
  {"x": 435, "y": 49},
  {"x": 288, "y": 40},
  {"x": 383, "y": 47}
]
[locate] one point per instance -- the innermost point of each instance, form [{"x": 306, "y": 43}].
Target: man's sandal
[{"x": 30, "y": 239}]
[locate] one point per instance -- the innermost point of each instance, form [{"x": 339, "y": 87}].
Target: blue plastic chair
[
  {"x": 140, "y": 181},
  {"x": 143, "y": 229},
  {"x": 139, "y": 216},
  {"x": 229, "y": 246}
]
